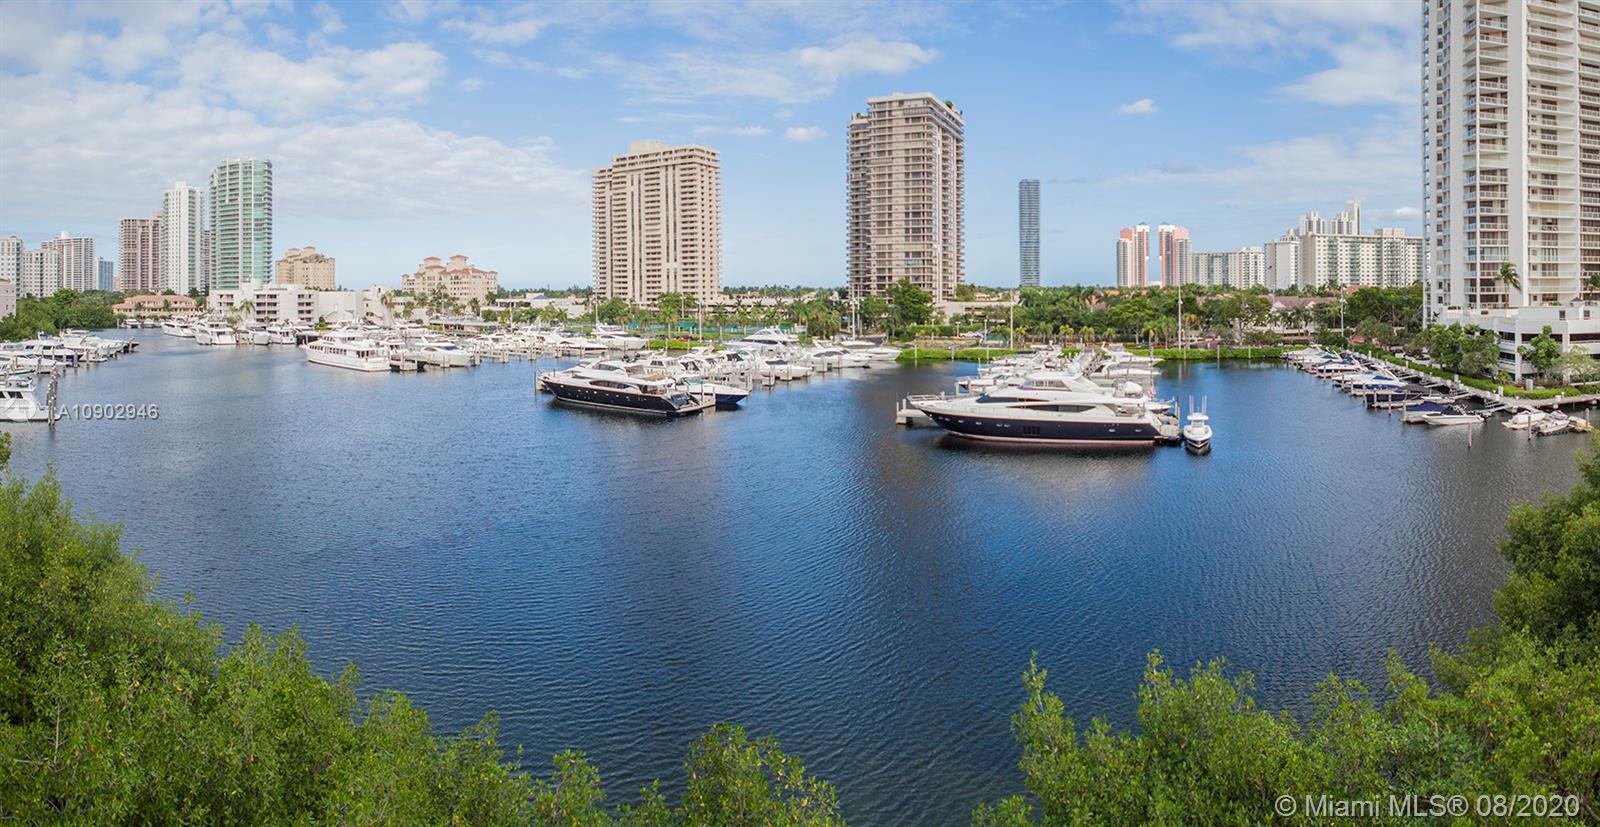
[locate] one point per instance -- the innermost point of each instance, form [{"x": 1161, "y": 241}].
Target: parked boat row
[{"x": 1382, "y": 388}]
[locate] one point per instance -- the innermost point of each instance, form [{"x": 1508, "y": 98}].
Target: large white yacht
[
  {"x": 180, "y": 326},
  {"x": 875, "y": 353},
  {"x": 349, "y": 349},
  {"x": 1047, "y": 417},
  {"x": 213, "y": 332}
]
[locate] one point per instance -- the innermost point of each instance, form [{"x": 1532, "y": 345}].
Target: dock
[{"x": 1492, "y": 402}]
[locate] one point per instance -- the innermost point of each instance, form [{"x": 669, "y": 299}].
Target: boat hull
[
  {"x": 647, "y": 404},
  {"x": 1042, "y": 432},
  {"x": 332, "y": 360}
]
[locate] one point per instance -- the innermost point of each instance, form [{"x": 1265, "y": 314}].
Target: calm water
[{"x": 870, "y": 595}]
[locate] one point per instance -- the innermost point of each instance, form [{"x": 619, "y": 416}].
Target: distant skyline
[{"x": 404, "y": 129}]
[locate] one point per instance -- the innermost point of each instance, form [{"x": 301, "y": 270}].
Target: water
[{"x": 870, "y": 595}]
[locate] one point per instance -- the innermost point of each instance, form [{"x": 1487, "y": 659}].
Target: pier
[{"x": 1492, "y": 402}]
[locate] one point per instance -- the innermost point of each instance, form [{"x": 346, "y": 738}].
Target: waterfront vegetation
[
  {"x": 117, "y": 708},
  {"x": 89, "y": 310}
]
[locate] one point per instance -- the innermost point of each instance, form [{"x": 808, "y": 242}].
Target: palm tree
[{"x": 1508, "y": 278}]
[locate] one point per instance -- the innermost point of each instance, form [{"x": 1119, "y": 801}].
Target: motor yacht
[
  {"x": 871, "y": 351},
  {"x": 1047, "y": 418},
  {"x": 280, "y": 334},
  {"x": 655, "y": 394},
  {"x": 17, "y": 400},
  {"x": 615, "y": 338},
  {"x": 178, "y": 326},
  {"x": 213, "y": 332},
  {"x": 1556, "y": 423},
  {"x": 350, "y": 349}
]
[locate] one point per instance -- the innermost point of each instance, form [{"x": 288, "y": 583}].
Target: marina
[{"x": 867, "y": 593}]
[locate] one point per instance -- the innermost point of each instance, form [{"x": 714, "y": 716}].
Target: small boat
[
  {"x": 1197, "y": 434},
  {"x": 1556, "y": 423},
  {"x": 1452, "y": 416},
  {"x": 1525, "y": 419}
]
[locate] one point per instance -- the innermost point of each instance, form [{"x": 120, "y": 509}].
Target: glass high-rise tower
[
  {"x": 1028, "y": 230},
  {"x": 241, "y": 223}
]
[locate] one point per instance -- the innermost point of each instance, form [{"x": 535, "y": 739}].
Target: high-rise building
[
  {"x": 1028, "y": 230},
  {"x": 658, "y": 223},
  {"x": 107, "y": 278},
  {"x": 40, "y": 274},
  {"x": 11, "y": 260},
  {"x": 1511, "y": 151},
  {"x": 1240, "y": 269},
  {"x": 906, "y": 183},
  {"x": 1281, "y": 269},
  {"x": 304, "y": 265},
  {"x": 1172, "y": 243},
  {"x": 180, "y": 241},
  {"x": 8, "y": 296},
  {"x": 1348, "y": 222},
  {"x": 79, "y": 265},
  {"x": 1388, "y": 258},
  {"x": 139, "y": 255},
  {"x": 241, "y": 223},
  {"x": 1133, "y": 256}
]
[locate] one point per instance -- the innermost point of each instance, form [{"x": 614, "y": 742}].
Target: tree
[
  {"x": 966, "y": 292},
  {"x": 1508, "y": 279},
  {"x": 909, "y": 304},
  {"x": 1541, "y": 352},
  {"x": 1577, "y": 365},
  {"x": 614, "y": 311}
]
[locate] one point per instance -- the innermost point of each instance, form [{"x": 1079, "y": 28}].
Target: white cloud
[
  {"x": 864, "y": 55},
  {"x": 1406, "y": 212},
  {"x": 735, "y": 131},
  {"x": 472, "y": 84},
  {"x": 804, "y": 134},
  {"x": 367, "y": 169},
  {"x": 262, "y": 80},
  {"x": 331, "y": 22},
  {"x": 1142, "y": 106},
  {"x": 485, "y": 29},
  {"x": 1370, "y": 69}
]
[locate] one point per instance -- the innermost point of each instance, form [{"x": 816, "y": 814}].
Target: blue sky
[{"x": 420, "y": 127}]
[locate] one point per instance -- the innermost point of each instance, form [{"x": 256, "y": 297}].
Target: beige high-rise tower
[
  {"x": 658, "y": 223},
  {"x": 906, "y": 188}
]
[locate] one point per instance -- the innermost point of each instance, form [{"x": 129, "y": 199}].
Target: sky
[{"x": 399, "y": 130}]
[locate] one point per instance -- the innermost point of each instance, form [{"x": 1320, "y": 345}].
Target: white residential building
[
  {"x": 11, "y": 262},
  {"x": 182, "y": 239},
  {"x": 1281, "y": 257},
  {"x": 40, "y": 273},
  {"x": 80, "y": 267},
  {"x": 905, "y": 189},
  {"x": 1388, "y": 258},
  {"x": 1511, "y": 149},
  {"x": 658, "y": 223},
  {"x": 1240, "y": 269}
]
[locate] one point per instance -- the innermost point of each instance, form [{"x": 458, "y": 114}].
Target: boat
[
  {"x": 1197, "y": 434},
  {"x": 655, "y": 394},
  {"x": 350, "y": 349},
  {"x": 726, "y": 396},
  {"x": 17, "y": 401},
  {"x": 280, "y": 334},
  {"x": 873, "y": 353},
  {"x": 615, "y": 338},
  {"x": 1453, "y": 415},
  {"x": 1525, "y": 419},
  {"x": 1556, "y": 423},
  {"x": 212, "y": 332},
  {"x": 178, "y": 326},
  {"x": 1047, "y": 417}
]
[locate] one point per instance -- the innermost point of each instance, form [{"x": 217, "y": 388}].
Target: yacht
[
  {"x": 17, "y": 402},
  {"x": 442, "y": 353},
  {"x": 280, "y": 334},
  {"x": 872, "y": 352},
  {"x": 653, "y": 394},
  {"x": 1047, "y": 418},
  {"x": 349, "y": 349},
  {"x": 769, "y": 338},
  {"x": 615, "y": 338},
  {"x": 255, "y": 334},
  {"x": 1525, "y": 419},
  {"x": 726, "y": 396},
  {"x": 1197, "y": 434},
  {"x": 42, "y": 354},
  {"x": 213, "y": 332},
  {"x": 1556, "y": 423}
]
